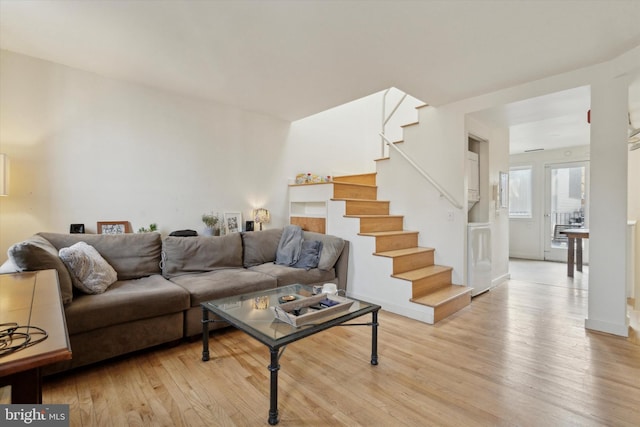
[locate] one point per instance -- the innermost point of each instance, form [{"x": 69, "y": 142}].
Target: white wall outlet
[{"x": 450, "y": 215}]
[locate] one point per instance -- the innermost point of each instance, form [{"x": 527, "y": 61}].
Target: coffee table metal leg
[
  {"x": 374, "y": 338},
  {"x": 205, "y": 334},
  {"x": 273, "y": 401}
]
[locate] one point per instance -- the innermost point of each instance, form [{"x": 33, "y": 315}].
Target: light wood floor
[{"x": 518, "y": 356}]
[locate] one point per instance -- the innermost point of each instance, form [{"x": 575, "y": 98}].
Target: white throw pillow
[{"x": 89, "y": 271}]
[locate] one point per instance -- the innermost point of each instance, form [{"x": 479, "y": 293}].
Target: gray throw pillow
[
  {"x": 332, "y": 247},
  {"x": 37, "y": 253},
  {"x": 309, "y": 255}
]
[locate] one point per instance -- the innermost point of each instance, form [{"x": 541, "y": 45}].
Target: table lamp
[{"x": 262, "y": 216}]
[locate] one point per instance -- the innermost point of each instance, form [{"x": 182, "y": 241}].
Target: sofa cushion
[
  {"x": 309, "y": 254},
  {"x": 200, "y": 254},
  {"x": 37, "y": 253},
  {"x": 260, "y": 246},
  {"x": 223, "y": 283},
  {"x": 89, "y": 271},
  {"x": 131, "y": 255},
  {"x": 126, "y": 301},
  {"x": 289, "y": 275},
  {"x": 332, "y": 247}
]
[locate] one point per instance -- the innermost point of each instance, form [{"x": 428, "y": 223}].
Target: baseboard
[
  {"x": 495, "y": 282},
  {"x": 607, "y": 327},
  {"x": 421, "y": 313},
  {"x": 533, "y": 257}
]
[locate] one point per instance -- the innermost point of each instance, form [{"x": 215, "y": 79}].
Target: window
[{"x": 520, "y": 192}]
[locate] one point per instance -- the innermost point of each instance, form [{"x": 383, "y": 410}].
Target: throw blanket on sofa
[{"x": 290, "y": 245}]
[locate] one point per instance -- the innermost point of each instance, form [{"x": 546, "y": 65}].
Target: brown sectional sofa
[{"x": 161, "y": 283}]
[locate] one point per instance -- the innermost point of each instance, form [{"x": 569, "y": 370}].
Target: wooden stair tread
[
  {"x": 373, "y": 216},
  {"x": 355, "y": 177},
  {"x": 403, "y": 252},
  {"x": 410, "y": 124},
  {"x": 352, "y": 184},
  {"x": 442, "y": 296},
  {"x": 358, "y": 200},
  {"x": 423, "y": 272},
  {"x": 387, "y": 233}
]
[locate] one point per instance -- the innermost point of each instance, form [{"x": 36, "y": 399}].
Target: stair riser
[
  {"x": 317, "y": 225},
  {"x": 400, "y": 241},
  {"x": 354, "y": 207},
  {"x": 369, "y": 225},
  {"x": 451, "y": 306},
  {"x": 348, "y": 191},
  {"x": 431, "y": 284},
  {"x": 368, "y": 179},
  {"x": 412, "y": 262}
]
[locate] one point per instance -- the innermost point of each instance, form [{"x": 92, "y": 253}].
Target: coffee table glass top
[{"x": 246, "y": 313}]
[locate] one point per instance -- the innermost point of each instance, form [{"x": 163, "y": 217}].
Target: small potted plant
[
  {"x": 152, "y": 227},
  {"x": 211, "y": 224}
]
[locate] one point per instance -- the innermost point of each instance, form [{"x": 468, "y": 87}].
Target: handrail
[
  {"x": 394, "y": 109},
  {"x": 386, "y": 119},
  {"x": 444, "y": 193}
]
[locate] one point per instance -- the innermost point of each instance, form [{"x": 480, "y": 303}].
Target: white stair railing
[{"x": 385, "y": 118}]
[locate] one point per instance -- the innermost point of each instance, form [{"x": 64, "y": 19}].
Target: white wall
[
  {"x": 344, "y": 140},
  {"x": 85, "y": 148},
  {"x": 526, "y": 235},
  {"x": 633, "y": 207}
]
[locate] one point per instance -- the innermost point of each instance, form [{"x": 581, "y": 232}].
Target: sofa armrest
[{"x": 342, "y": 267}]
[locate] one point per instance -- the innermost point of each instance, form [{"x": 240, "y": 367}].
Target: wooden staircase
[{"x": 431, "y": 283}]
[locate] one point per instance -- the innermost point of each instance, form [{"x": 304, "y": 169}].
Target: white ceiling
[{"x": 291, "y": 59}]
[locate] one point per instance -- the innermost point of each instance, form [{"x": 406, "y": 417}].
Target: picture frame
[
  {"x": 503, "y": 190},
  {"x": 114, "y": 227},
  {"x": 233, "y": 222},
  {"x": 76, "y": 229}
]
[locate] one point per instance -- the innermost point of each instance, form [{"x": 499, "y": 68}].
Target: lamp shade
[
  {"x": 4, "y": 175},
  {"x": 262, "y": 216}
]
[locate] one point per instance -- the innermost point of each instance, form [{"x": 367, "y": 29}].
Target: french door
[{"x": 566, "y": 206}]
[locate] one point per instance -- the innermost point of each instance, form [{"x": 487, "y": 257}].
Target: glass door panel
[{"x": 566, "y": 198}]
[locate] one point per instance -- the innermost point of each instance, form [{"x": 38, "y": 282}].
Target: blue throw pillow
[{"x": 309, "y": 255}]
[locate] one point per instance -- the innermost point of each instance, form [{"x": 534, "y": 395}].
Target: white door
[{"x": 566, "y": 205}]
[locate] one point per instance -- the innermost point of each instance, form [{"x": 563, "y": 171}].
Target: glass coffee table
[{"x": 253, "y": 313}]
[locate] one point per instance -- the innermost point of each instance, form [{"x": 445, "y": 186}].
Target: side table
[
  {"x": 32, "y": 299},
  {"x": 574, "y": 254}
]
